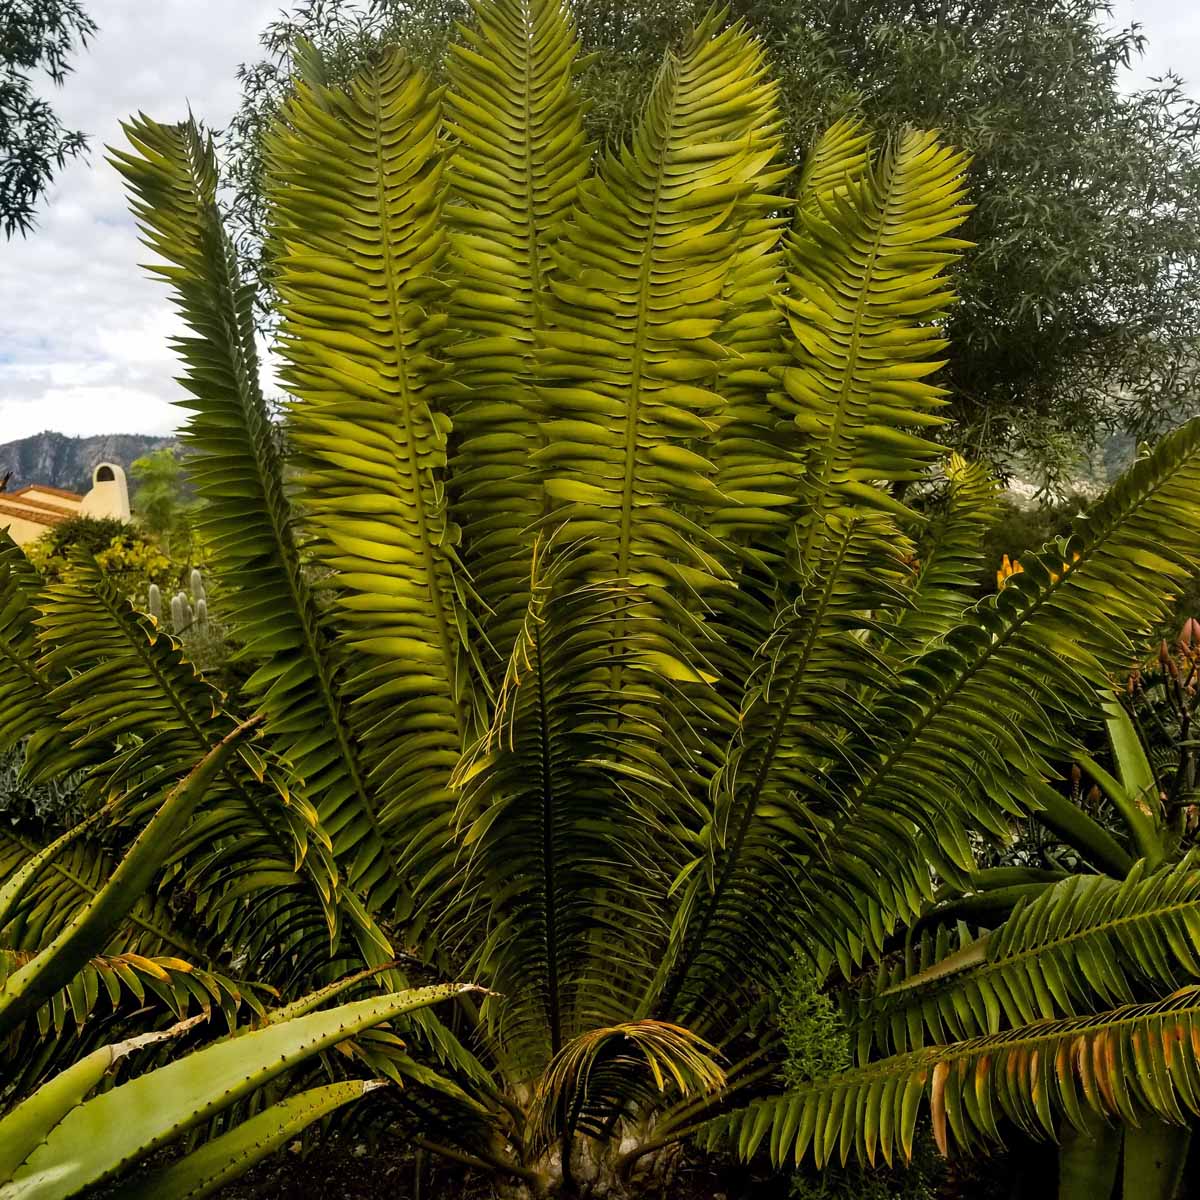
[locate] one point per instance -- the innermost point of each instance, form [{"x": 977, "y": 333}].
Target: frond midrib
[
  {"x": 410, "y": 442},
  {"x": 632, "y": 415},
  {"x": 548, "y": 854}
]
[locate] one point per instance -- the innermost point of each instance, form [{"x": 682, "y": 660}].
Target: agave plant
[{"x": 606, "y": 600}]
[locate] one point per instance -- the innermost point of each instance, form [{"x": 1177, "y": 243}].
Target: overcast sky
[{"x": 83, "y": 332}]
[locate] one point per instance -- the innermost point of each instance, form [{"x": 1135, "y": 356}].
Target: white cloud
[
  {"x": 1172, "y": 30},
  {"x": 83, "y": 330}
]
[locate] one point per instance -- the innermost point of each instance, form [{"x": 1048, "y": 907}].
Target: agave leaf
[{"x": 96, "y": 1139}]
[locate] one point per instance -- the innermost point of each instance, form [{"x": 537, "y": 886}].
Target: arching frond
[
  {"x": 363, "y": 168},
  {"x": 1122, "y": 1064},
  {"x": 520, "y": 156},
  {"x": 257, "y": 836},
  {"x": 603, "y": 1068},
  {"x": 57, "y": 963},
  {"x": 61, "y": 887},
  {"x": 236, "y": 466},
  {"x": 634, "y": 344},
  {"x": 109, "y": 981},
  {"x": 546, "y": 823},
  {"x": 25, "y": 710},
  {"x": 868, "y": 289},
  {"x": 1086, "y": 943},
  {"x": 968, "y": 722}
]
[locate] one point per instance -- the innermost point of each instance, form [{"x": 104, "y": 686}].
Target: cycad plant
[{"x": 606, "y": 606}]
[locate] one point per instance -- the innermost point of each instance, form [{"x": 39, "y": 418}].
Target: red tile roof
[{"x": 40, "y": 516}]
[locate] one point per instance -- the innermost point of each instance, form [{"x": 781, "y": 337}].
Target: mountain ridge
[{"x": 64, "y": 461}]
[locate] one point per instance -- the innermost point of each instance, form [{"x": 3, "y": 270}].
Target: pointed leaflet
[
  {"x": 1084, "y": 943},
  {"x": 520, "y": 155},
  {"x": 355, "y": 192},
  {"x": 1123, "y": 1064},
  {"x": 234, "y": 462},
  {"x": 1019, "y": 668},
  {"x": 545, "y": 814}
]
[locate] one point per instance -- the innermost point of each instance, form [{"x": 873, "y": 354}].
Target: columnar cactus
[
  {"x": 154, "y": 602},
  {"x": 181, "y": 612}
]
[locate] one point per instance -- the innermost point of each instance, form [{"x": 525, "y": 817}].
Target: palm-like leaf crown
[{"x": 633, "y": 669}]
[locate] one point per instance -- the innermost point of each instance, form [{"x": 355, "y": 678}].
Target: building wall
[{"x": 21, "y": 530}]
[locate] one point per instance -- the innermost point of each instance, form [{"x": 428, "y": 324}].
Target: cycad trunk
[{"x": 596, "y": 1173}]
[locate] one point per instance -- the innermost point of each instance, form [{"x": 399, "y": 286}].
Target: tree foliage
[
  {"x": 1078, "y": 307},
  {"x": 35, "y": 38}
]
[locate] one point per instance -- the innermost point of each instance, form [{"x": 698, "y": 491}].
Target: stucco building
[{"x": 30, "y": 511}]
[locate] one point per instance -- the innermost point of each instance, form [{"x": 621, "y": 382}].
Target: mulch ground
[{"x": 344, "y": 1169}]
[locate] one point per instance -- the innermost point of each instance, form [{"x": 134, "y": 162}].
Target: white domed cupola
[{"x": 109, "y": 496}]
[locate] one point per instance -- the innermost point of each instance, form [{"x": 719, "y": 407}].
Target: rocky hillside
[{"x": 67, "y": 462}]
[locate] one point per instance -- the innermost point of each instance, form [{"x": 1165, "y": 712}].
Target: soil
[{"x": 345, "y": 1169}]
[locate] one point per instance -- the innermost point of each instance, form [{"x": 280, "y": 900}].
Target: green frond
[
  {"x": 111, "y": 981},
  {"x": 363, "y": 169},
  {"x": 867, "y": 291},
  {"x": 607, "y": 1068},
  {"x": 542, "y": 909},
  {"x": 645, "y": 299},
  {"x": 25, "y": 711},
  {"x": 520, "y": 156},
  {"x": 951, "y": 552},
  {"x": 1086, "y": 942},
  {"x": 1123, "y": 1064},
  {"x": 257, "y": 837},
  {"x": 969, "y": 722},
  {"x": 758, "y": 465},
  {"x": 235, "y": 464},
  {"x": 634, "y": 344},
  {"x": 802, "y": 703}
]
